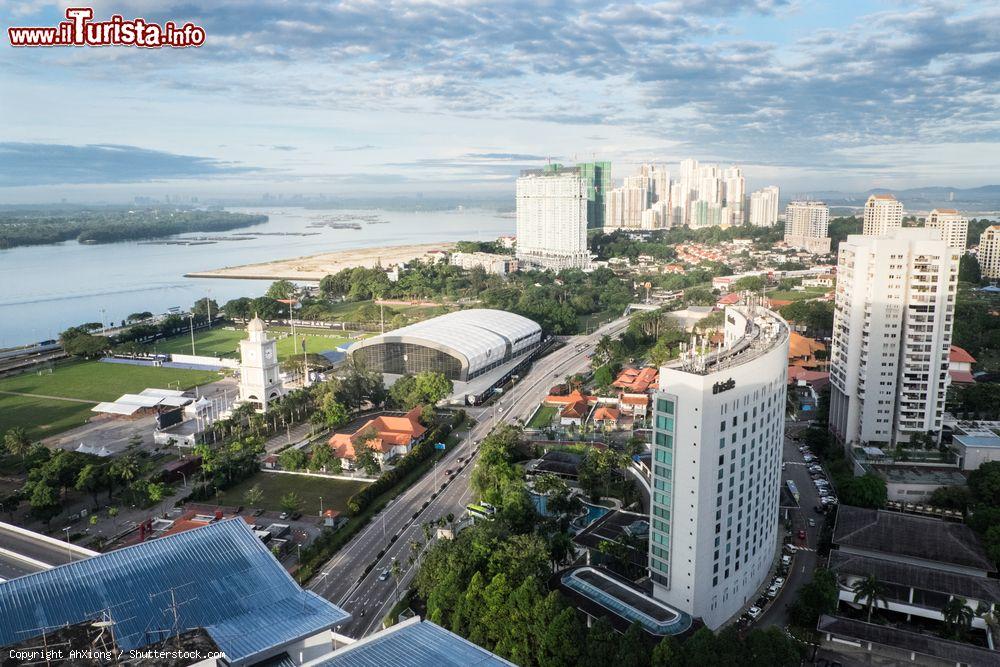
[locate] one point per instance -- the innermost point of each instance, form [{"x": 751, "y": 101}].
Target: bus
[
  {"x": 792, "y": 489},
  {"x": 481, "y": 510}
]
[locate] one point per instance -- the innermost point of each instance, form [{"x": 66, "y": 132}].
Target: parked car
[
  {"x": 283, "y": 516},
  {"x": 753, "y": 613},
  {"x": 778, "y": 581},
  {"x": 812, "y": 523},
  {"x": 791, "y": 548},
  {"x": 786, "y": 560},
  {"x": 772, "y": 592}
]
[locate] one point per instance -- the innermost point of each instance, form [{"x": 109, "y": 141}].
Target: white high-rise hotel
[
  {"x": 892, "y": 328},
  {"x": 717, "y": 442},
  {"x": 954, "y": 227},
  {"x": 989, "y": 252},
  {"x": 552, "y": 219}
]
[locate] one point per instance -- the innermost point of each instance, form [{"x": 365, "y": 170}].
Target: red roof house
[
  {"x": 386, "y": 435},
  {"x": 960, "y": 366}
]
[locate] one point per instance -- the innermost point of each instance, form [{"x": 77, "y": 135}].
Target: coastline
[{"x": 313, "y": 268}]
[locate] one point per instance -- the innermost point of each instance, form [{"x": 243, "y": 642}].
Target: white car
[
  {"x": 772, "y": 592},
  {"x": 786, "y": 560},
  {"x": 778, "y": 581},
  {"x": 753, "y": 613}
]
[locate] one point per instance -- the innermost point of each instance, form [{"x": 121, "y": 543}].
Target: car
[
  {"x": 802, "y": 534},
  {"x": 283, "y": 516},
  {"x": 786, "y": 560},
  {"x": 772, "y": 592},
  {"x": 449, "y": 471},
  {"x": 812, "y": 523},
  {"x": 753, "y": 613},
  {"x": 761, "y": 601},
  {"x": 384, "y": 574},
  {"x": 791, "y": 548},
  {"x": 782, "y": 465},
  {"x": 778, "y": 581}
]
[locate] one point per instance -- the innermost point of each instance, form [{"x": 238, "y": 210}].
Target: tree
[
  {"x": 291, "y": 503},
  {"x": 632, "y": 650},
  {"x": 958, "y": 616},
  {"x": 44, "y": 502},
  {"x": 333, "y": 411},
  {"x": 91, "y": 479},
  {"x": 667, "y": 653},
  {"x": 364, "y": 456},
  {"x": 951, "y": 497},
  {"x": 871, "y": 591},
  {"x": 969, "y": 270},
  {"x": 984, "y": 482},
  {"x": 156, "y": 491},
  {"x": 602, "y": 644},
  {"x": 771, "y": 648},
  {"x": 293, "y": 459},
  {"x": 280, "y": 289},
  {"x": 396, "y": 570},
  {"x": 869, "y": 490},
  {"x": 603, "y": 376},
  {"x": 323, "y": 459},
  {"x": 814, "y": 599},
  {"x": 77, "y": 342},
  {"x": 125, "y": 468},
  {"x": 561, "y": 637},
  {"x": 17, "y": 442},
  {"x": 254, "y": 496}
]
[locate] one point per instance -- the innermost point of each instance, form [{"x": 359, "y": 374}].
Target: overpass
[{"x": 23, "y": 551}]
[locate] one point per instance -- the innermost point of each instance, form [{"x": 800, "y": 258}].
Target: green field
[
  {"x": 335, "y": 492},
  {"x": 543, "y": 417},
  {"x": 85, "y": 380},
  {"x": 795, "y": 295},
  {"x": 225, "y": 342}
]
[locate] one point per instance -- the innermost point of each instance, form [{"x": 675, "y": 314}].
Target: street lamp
[
  {"x": 68, "y": 543},
  {"x": 321, "y": 505}
]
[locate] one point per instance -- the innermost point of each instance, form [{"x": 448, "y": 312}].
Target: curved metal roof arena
[{"x": 462, "y": 345}]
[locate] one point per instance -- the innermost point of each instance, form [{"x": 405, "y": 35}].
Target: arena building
[{"x": 471, "y": 347}]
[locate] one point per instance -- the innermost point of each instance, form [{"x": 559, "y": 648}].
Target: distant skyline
[{"x": 393, "y": 98}]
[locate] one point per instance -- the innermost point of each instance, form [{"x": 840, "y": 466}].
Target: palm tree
[
  {"x": 17, "y": 442},
  {"x": 958, "y": 615},
  {"x": 991, "y": 614},
  {"x": 396, "y": 570},
  {"x": 871, "y": 591}
]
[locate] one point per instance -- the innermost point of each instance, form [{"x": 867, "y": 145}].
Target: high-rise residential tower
[
  {"x": 552, "y": 218},
  {"x": 883, "y": 214},
  {"x": 954, "y": 227},
  {"x": 989, "y": 252},
  {"x": 892, "y": 328},
  {"x": 597, "y": 177},
  {"x": 735, "y": 187},
  {"x": 718, "y": 430},
  {"x": 764, "y": 207},
  {"x": 806, "y": 225}
]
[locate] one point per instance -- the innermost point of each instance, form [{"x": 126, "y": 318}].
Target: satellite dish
[{"x": 102, "y": 624}]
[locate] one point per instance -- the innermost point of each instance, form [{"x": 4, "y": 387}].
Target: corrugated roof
[
  {"x": 480, "y": 334},
  {"x": 413, "y": 643},
  {"x": 908, "y": 535},
  {"x": 923, "y": 578},
  {"x": 223, "y": 579}
]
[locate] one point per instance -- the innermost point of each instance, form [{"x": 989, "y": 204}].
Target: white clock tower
[{"x": 260, "y": 383}]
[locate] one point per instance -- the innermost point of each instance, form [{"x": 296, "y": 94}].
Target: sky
[{"x": 380, "y": 97}]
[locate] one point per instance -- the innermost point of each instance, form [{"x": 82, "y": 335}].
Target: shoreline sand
[{"x": 312, "y": 268}]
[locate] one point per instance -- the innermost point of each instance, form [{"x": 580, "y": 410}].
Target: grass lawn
[
  {"x": 543, "y": 417},
  {"x": 225, "y": 342},
  {"x": 334, "y": 492},
  {"x": 96, "y": 381},
  {"x": 41, "y": 417},
  {"x": 795, "y": 295}
]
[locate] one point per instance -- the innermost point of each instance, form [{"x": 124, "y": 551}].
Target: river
[{"x": 45, "y": 289}]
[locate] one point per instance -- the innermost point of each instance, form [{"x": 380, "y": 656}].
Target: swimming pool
[{"x": 594, "y": 512}]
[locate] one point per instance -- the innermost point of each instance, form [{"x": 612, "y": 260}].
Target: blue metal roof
[
  {"x": 221, "y": 577},
  {"x": 414, "y": 643}
]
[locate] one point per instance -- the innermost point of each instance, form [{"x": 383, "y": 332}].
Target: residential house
[
  {"x": 802, "y": 351},
  {"x": 606, "y": 416},
  {"x": 960, "y": 366},
  {"x": 386, "y": 435}
]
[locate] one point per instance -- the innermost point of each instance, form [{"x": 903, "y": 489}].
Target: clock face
[{"x": 267, "y": 354}]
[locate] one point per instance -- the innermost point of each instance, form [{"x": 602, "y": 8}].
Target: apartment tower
[
  {"x": 883, "y": 214},
  {"x": 892, "y": 328},
  {"x": 552, "y": 218}
]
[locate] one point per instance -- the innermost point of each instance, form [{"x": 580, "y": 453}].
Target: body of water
[{"x": 46, "y": 289}]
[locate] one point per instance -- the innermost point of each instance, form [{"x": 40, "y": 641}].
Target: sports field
[
  {"x": 62, "y": 399},
  {"x": 334, "y": 492},
  {"x": 225, "y": 342}
]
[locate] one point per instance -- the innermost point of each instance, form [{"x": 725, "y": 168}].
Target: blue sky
[{"x": 384, "y": 97}]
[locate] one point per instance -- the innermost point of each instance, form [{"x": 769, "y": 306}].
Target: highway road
[
  {"x": 366, "y": 597},
  {"x": 23, "y": 552}
]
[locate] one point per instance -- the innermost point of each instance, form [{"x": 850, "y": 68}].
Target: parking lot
[{"x": 796, "y": 568}]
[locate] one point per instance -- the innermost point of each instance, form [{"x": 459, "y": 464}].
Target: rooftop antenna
[
  {"x": 46, "y": 656},
  {"x": 174, "y": 608}
]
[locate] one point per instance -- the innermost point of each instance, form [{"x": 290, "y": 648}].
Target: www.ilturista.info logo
[{"x": 80, "y": 30}]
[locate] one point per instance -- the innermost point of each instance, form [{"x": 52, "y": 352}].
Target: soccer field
[
  {"x": 225, "y": 342},
  {"x": 89, "y": 382}
]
